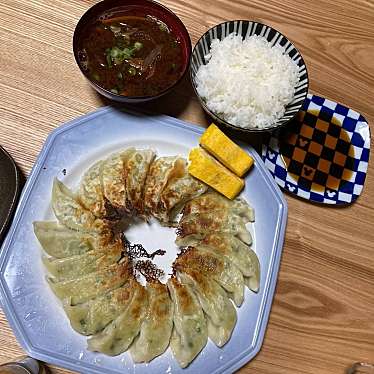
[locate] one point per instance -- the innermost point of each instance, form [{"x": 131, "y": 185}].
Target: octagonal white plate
[{"x": 36, "y": 315}]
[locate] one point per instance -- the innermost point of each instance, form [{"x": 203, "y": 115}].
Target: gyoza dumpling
[
  {"x": 80, "y": 265},
  {"x": 231, "y": 247},
  {"x": 71, "y": 213},
  {"x": 156, "y": 328},
  {"x": 160, "y": 171},
  {"x": 120, "y": 333},
  {"x": 239, "y": 253},
  {"x": 215, "y": 303},
  {"x": 177, "y": 192},
  {"x": 94, "y": 284},
  {"x": 90, "y": 190},
  {"x": 190, "y": 332},
  {"x": 92, "y": 316},
  {"x": 199, "y": 225},
  {"x": 136, "y": 171},
  {"x": 113, "y": 178},
  {"x": 60, "y": 242},
  {"x": 253, "y": 281},
  {"x": 212, "y": 201},
  {"x": 213, "y": 265}
]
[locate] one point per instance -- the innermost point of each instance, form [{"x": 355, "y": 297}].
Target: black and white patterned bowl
[{"x": 247, "y": 29}]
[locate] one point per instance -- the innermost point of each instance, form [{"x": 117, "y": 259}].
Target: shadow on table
[{"x": 172, "y": 104}]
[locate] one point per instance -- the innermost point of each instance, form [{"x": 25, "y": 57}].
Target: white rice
[{"x": 247, "y": 82}]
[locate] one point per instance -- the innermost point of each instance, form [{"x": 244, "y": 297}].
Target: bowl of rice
[{"x": 248, "y": 76}]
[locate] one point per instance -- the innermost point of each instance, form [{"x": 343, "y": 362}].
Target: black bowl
[
  {"x": 108, "y": 7},
  {"x": 246, "y": 29},
  {"x": 10, "y": 181}
]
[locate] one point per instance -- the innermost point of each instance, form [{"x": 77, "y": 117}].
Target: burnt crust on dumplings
[{"x": 93, "y": 268}]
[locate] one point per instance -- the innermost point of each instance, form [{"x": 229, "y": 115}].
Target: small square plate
[
  {"x": 323, "y": 155},
  {"x": 36, "y": 315}
]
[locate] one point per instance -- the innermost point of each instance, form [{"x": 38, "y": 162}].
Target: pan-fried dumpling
[
  {"x": 227, "y": 245},
  {"x": 233, "y": 248},
  {"x": 70, "y": 212},
  {"x": 218, "y": 267},
  {"x": 157, "y": 326},
  {"x": 136, "y": 171},
  {"x": 80, "y": 265},
  {"x": 60, "y": 242},
  {"x": 215, "y": 303},
  {"x": 177, "y": 192},
  {"x": 242, "y": 256},
  {"x": 90, "y": 190},
  {"x": 92, "y": 316},
  {"x": 190, "y": 332},
  {"x": 253, "y": 281},
  {"x": 92, "y": 285},
  {"x": 113, "y": 178},
  {"x": 160, "y": 171},
  {"x": 120, "y": 333},
  {"x": 212, "y": 201},
  {"x": 198, "y": 225}
]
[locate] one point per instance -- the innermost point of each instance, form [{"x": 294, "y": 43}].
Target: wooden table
[{"x": 322, "y": 318}]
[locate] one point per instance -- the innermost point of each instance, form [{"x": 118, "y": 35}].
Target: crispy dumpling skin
[
  {"x": 215, "y": 303},
  {"x": 234, "y": 249},
  {"x": 177, "y": 192},
  {"x": 190, "y": 333},
  {"x": 113, "y": 181},
  {"x": 243, "y": 257},
  {"x": 135, "y": 174},
  {"x": 120, "y": 333},
  {"x": 210, "y": 264},
  {"x": 94, "y": 315},
  {"x": 212, "y": 201},
  {"x": 157, "y": 326},
  {"x": 198, "y": 225},
  {"x": 160, "y": 171},
  {"x": 71, "y": 213},
  {"x": 58, "y": 241},
  {"x": 80, "y": 265},
  {"x": 92, "y": 285},
  {"x": 90, "y": 190},
  {"x": 230, "y": 246}
]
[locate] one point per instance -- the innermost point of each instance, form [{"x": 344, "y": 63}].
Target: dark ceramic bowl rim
[
  {"x": 214, "y": 115},
  {"x": 17, "y": 177},
  {"x": 148, "y": 97}
]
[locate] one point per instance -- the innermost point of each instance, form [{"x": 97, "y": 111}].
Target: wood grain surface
[{"x": 322, "y": 318}]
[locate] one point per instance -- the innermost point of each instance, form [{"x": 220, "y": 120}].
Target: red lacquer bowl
[{"x": 111, "y": 7}]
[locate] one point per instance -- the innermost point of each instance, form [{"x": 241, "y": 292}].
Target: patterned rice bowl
[{"x": 247, "y": 29}]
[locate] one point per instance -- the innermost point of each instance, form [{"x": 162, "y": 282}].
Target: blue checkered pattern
[{"x": 358, "y": 131}]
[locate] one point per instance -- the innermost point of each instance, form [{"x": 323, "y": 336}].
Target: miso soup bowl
[{"x": 110, "y": 7}]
